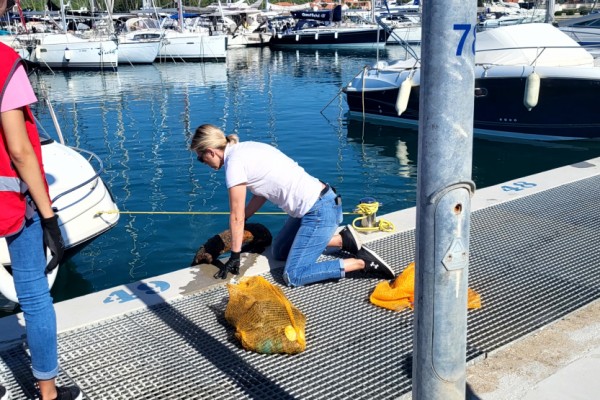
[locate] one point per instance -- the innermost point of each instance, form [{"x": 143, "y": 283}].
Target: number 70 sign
[{"x": 466, "y": 29}]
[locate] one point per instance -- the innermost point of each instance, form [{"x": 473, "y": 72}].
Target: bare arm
[
  {"x": 24, "y": 159},
  {"x": 255, "y": 203},
  {"x": 237, "y": 205}
]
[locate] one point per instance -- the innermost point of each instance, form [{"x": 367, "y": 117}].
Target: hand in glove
[
  {"x": 232, "y": 265},
  {"x": 53, "y": 240}
]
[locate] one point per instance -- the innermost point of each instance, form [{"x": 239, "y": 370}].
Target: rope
[
  {"x": 366, "y": 210},
  {"x": 193, "y": 212}
]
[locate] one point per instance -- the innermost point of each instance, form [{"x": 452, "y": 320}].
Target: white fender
[
  {"x": 317, "y": 36},
  {"x": 335, "y": 34},
  {"x": 68, "y": 54},
  {"x": 38, "y": 53},
  {"x": 532, "y": 91},
  {"x": 403, "y": 95},
  {"x": 297, "y": 38},
  {"x": 7, "y": 283}
]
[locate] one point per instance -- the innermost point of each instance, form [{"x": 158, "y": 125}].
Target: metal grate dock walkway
[{"x": 533, "y": 260}]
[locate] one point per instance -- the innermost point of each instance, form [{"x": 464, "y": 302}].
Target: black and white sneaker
[
  {"x": 350, "y": 240},
  {"x": 68, "y": 393},
  {"x": 3, "y": 393},
  {"x": 375, "y": 264}
]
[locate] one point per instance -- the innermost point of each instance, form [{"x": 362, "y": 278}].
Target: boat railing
[
  {"x": 533, "y": 59},
  {"x": 90, "y": 155},
  {"x": 400, "y": 41},
  {"x": 97, "y": 172}
]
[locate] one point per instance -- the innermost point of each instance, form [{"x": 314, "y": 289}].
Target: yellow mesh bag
[
  {"x": 264, "y": 319},
  {"x": 401, "y": 293}
]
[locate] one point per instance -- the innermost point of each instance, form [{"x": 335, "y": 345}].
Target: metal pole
[
  {"x": 550, "y": 11},
  {"x": 444, "y": 191}
]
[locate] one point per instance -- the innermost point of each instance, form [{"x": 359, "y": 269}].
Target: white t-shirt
[{"x": 269, "y": 173}]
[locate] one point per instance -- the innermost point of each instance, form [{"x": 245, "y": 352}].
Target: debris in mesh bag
[
  {"x": 401, "y": 292},
  {"x": 265, "y": 321}
]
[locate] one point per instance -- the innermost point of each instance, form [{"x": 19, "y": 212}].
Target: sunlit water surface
[{"x": 139, "y": 120}]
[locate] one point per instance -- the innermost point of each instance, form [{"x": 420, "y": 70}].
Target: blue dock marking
[
  {"x": 518, "y": 186},
  {"x": 152, "y": 287}
]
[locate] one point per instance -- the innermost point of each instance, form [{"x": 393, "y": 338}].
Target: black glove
[
  {"x": 232, "y": 265},
  {"x": 53, "y": 240}
]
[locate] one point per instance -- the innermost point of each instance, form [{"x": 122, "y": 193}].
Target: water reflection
[
  {"x": 389, "y": 161},
  {"x": 377, "y": 141},
  {"x": 497, "y": 161},
  {"x": 136, "y": 82},
  {"x": 494, "y": 161}
]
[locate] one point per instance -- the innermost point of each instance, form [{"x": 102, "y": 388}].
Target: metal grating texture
[{"x": 533, "y": 260}]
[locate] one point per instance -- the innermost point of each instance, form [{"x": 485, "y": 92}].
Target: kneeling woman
[{"x": 314, "y": 209}]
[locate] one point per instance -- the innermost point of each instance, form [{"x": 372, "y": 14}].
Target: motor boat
[
  {"x": 531, "y": 82},
  {"x": 325, "y": 29},
  {"x": 584, "y": 30},
  {"x": 78, "y": 195}
]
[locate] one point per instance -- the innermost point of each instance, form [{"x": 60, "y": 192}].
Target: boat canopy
[{"x": 536, "y": 44}]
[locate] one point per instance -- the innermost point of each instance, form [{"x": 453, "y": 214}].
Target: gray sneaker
[
  {"x": 375, "y": 264},
  {"x": 3, "y": 393},
  {"x": 350, "y": 240}
]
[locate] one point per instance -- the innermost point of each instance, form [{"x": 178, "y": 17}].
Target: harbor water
[{"x": 139, "y": 120}]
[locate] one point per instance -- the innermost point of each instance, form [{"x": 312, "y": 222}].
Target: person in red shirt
[{"x": 28, "y": 222}]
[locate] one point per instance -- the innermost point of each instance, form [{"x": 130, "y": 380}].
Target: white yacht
[
  {"x": 139, "y": 40},
  {"x": 186, "y": 39}
]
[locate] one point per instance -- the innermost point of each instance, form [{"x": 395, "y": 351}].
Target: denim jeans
[
  {"x": 301, "y": 242},
  {"x": 28, "y": 262}
]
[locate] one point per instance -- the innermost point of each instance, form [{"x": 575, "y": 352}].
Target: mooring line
[{"x": 194, "y": 212}]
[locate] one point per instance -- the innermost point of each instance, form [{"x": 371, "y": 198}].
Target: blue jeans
[
  {"x": 28, "y": 261},
  {"x": 301, "y": 242}
]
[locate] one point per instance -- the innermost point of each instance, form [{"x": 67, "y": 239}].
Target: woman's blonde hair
[{"x": 209, "y": 136}]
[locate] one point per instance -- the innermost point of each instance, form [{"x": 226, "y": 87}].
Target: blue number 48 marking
[
  {"x": 518, "y": 186},
  {"x": 466, "y": 28}
]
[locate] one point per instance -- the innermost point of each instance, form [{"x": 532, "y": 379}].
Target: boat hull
[
  {"x": 192, "y": 47},
  {"x": 248, "y": 40},
  {"x": 78, "y": 196},
  {"x": 138, "y": 52},
  {"x": 329, "y": 38},
  {"x": 66, "y": 51},
  {"x": 566, "y": 108},
  {"x": 409, "y": 34}
]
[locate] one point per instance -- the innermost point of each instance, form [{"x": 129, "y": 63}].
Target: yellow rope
[
  {"x": 366, "y": 210},
  {"x": 192, "y": 212}
]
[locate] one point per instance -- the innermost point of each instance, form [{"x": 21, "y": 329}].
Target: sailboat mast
[
  {"x": 21, "y": 16},
  {"x": 180, "y": 14},
  {"x": 549, "y": 11},
  {"x": 63, "y": 18}
]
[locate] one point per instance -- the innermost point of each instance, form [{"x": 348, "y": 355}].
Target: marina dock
[{"x": 534, "y": 259}]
